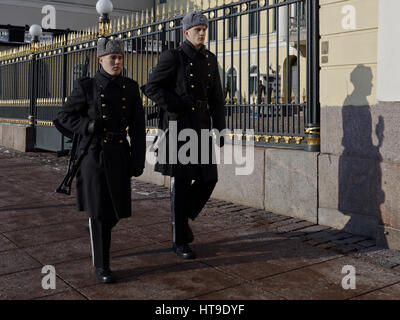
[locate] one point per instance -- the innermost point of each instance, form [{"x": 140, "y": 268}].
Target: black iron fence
[{"x": 268, "y": 58}]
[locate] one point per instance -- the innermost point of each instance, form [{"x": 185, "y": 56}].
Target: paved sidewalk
[{"x": 243, "y": 252}]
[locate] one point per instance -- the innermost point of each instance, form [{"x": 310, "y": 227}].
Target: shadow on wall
[{"x": 360, "y": 173}]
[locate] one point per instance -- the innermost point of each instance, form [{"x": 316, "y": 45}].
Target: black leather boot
[
  {"x": 184, "y": 251},
  {"x": 105, "y": 275}
]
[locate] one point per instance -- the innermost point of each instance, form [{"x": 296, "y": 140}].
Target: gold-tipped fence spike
[
  {"x": 110, "y": 28},
  {"x": 170, "y": 11},
  {"x": 132, "y": 22},
  {"x": 137, "y": 19},
  {"x": 175, "y": 8},
  {"x": 163, "y": 13},
  {"x": 157, "y": 13},
  {"x": 127, "y": 23},
  {"x": 118, "y": 25}
]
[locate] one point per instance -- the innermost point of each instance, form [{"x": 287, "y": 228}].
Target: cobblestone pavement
[{"x": 243, "y": 252}]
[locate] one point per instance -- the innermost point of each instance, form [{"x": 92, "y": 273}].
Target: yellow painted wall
[{"x": 348, "y": 48}]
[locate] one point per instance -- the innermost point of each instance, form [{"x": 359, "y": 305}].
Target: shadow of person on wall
[{"x": 360, "y": 174}]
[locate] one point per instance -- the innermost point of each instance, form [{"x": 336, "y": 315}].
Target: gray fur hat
[
  {"x": 106, "y": 46},
  {"x": 193, "y": 19}
]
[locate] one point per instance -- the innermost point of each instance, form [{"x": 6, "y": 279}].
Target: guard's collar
[
  {"x": 105, "y": 78},
  {"x": 191, "y": 51}
]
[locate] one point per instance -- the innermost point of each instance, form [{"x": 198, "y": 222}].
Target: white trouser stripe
[
  {"x": 91, "y": 239},
  {"x": 173, "y": 209}
]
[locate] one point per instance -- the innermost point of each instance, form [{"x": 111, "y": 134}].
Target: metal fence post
[
  {"x": 64, "y": 84},
  {"x": 33, "y": 88},
  {"x": 312, "y": 126}
]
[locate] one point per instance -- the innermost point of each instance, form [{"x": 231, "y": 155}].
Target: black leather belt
[
  {"x": 115, "y": 137},
  {"x": 201, "y": 105}
]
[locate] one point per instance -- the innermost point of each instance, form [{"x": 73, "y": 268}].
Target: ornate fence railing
[{"x": 275, "y": 42}]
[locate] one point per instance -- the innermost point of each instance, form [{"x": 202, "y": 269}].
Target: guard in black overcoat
[
  {"x": 106, "y": 109},
  {"x": 186, "y": 85}
]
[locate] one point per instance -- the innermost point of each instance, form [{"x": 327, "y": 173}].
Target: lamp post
[
  {"x": 35, "y": 32},
  {"x": 104, "y": 8}
]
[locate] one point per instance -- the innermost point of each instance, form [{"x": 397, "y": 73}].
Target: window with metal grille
[
  {"x": 254, "y": 24},
  {"x": 232, "y": 24},
  {"x": 253, "y": 80},
  {"x": 212, "y": 30},
  {"x": 231, "y": 82}
]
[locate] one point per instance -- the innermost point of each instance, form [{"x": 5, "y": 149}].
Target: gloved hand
[
  {"x": 95, "y": 126},
  {"x": 136, "y": 172},
  {"x": 220, "y": 142}
]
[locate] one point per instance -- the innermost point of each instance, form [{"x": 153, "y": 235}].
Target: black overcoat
[
  {"x": 103, "y": 180},
  {"x": 182, "y": 77}
]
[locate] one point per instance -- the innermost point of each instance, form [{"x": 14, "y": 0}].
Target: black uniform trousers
[
  {"x": 187, "y": 200},
  {"x": 100, "y": 240}
]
